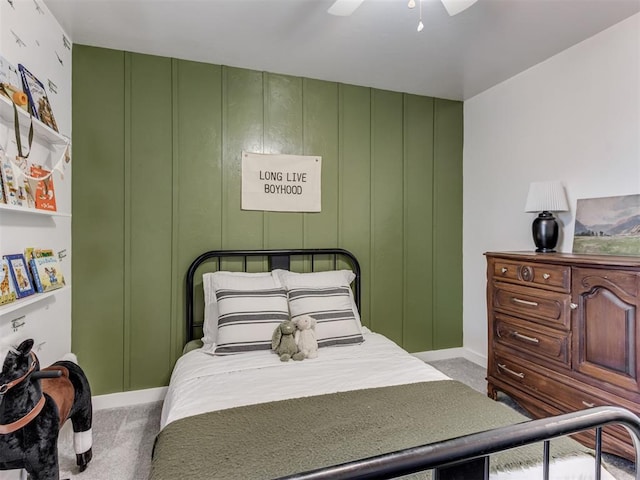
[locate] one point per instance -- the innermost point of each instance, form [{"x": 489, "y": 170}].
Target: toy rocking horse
[{"x": 34, "y": 404}]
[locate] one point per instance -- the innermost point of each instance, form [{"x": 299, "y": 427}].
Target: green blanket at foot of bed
[{"x": 274, "y": 439}]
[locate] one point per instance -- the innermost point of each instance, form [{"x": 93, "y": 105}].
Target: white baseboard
[
  {"x": 128, "y": 399},
  {"x": 447, "y": 353}
]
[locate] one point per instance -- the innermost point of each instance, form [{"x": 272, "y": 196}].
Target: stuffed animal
[
  {"x": 284, "y": 343},
  {"x": 306, "y": 336},
  {"x": 33, "y": 406}
]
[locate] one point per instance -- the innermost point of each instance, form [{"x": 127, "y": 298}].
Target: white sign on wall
[{"x": 281, "y": 183}]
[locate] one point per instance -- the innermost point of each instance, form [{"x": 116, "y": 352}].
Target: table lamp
[{"x": 546, "y": 197}]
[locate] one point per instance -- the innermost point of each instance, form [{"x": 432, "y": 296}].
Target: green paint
[
  {"x": 156, "y": 181},
  {"x": 98, "y": 217},
  {"x": 418, "y": 223}
]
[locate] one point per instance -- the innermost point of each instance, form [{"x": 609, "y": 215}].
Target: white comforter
[{"x": 202, "y": 383}]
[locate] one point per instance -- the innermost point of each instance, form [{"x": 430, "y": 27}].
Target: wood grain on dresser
[{"x": 563, "y": 334}]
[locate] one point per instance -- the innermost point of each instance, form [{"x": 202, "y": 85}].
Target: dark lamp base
[{"x": 545, "y": 232}]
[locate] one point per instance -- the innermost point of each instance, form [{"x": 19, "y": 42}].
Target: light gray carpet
[
  {"x": 123, "y": 437},
  {"x": 122, "y": 443}
]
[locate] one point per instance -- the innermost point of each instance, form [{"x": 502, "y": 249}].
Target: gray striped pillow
[
  {"x": 247, "y": 319},
  {"x": 331, "y": 307}
]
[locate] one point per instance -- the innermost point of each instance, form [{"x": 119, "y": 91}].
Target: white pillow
[
  {"x": 331, "y": 307},
  {"x": 233, "y": 281},
  {"x": 247, "y": 319},
  {"x": 320, "y": 279}
]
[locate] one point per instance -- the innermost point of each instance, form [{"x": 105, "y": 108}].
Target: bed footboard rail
[{"x": 468, "y": 456}]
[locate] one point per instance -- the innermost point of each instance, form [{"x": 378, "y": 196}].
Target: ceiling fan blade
[
  {"x": 456, "y": 6},
  {"x": 344, "y": 8}
]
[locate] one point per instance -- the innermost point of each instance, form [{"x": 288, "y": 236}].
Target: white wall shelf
[
  {"x": 32, "y": 211},
  {"x": 41, "y": 131},
  {"x": 23, "y": 302}
]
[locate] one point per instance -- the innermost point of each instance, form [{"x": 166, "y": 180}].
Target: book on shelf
[
  {"x": 47, "y": 274},
  {"x": 2, "y": 199},
  {"x": 32, "y": 252},
  {"x": 7, "y": 289},
  {"x": 38, "y": 100},
  {"x": 15, "y": 192},
  {"x": 20, "y": 275},
  {"x": 44, "y": 194}
]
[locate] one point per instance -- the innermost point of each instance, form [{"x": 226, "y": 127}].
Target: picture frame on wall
[
  {"x": 20, "y": 275},
  {"x": 38, "y": 100},
  {"x": 608, "y": 226}
]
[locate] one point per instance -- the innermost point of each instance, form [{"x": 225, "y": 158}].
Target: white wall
[
  {"x": 30, "y": 35},
  {"x": 573, "y": 118}
]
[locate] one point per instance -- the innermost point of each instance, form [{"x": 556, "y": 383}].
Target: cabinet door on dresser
[{"x": 605, "y": 341}]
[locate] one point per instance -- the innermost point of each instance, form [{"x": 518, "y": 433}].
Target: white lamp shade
[{"x": 546, "y": 196}]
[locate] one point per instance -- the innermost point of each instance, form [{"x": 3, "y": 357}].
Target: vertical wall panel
[
  {"x": 354, "y": 143},
  {"x": 243, "y": 129},
  {"x": 150, "y": 221},
  {"x": 386, "y": 214},
  {"x": 197, "y": 130},
  {"x": 157, "y": 178},
  {"x": 283, "y": 134},
  {"x": 448, "y": 224},
  {"x": 321, "y": 138},
  {"x": 98, "y": 216},
  {"x": 418, "y": 223}
]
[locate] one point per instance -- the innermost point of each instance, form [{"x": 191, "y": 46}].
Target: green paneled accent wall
[{"x": 156, "y": 181}]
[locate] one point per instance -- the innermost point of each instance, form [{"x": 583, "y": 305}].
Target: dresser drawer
[
  {"x": 541, "y": 306},
  {"x": 554, "y": 388},
  {"x": 546, "y": 343},
  {"x": 557, "y": 277}
]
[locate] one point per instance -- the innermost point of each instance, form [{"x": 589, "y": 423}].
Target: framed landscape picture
[{"x": 608, "y": 226}]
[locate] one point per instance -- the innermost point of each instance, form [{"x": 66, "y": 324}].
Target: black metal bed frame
[
  {"x": 467, "y": 457},
  {"x": 462, "y": 458},
  {"x": 277, "y": 259}
]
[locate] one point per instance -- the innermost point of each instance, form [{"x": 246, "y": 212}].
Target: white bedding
[{"x": 202, "y": 383}]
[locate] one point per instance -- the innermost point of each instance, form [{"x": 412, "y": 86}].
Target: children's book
[
  {"x": 44, "y": 195},
  {"x": 2, "y": 159},
  {"x": 38, "y": 100},
  {"x": 2, "y": 199},
  {"x": 20, "y": 275},
  {"x": 14, "y": 192},
  {"x": 32, "y": 252},
  {"x": 7, "y": 289},
  {"x": 47, "y": 273}
]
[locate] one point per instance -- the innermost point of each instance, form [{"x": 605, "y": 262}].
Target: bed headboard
[{"x": 313, "y": 260}]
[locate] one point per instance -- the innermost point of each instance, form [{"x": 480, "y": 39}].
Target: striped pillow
[
  {"x": 247, "y": 319},
  {"x": 331, "y": 307},
  {"x": 224, "y": 280}
]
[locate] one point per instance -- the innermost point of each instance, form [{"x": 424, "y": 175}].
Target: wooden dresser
[{"x": 564, "y": 334}]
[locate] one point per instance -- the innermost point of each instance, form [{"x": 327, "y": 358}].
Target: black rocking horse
[{"x": 34, "y": 404}]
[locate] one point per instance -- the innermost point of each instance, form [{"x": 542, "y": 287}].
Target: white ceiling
[{"x": 378, "y": 45}]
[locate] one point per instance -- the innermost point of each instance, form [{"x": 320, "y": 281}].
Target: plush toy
[
  {"x": 34, "y": 404},
  {"x": 284, "y": 343},
  {"x": 306, "y": 336}
]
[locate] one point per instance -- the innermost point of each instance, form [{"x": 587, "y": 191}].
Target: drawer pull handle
[
  {"x": 525, "y": 302},
  {"x": 515, "y": 374},
  {"x": 525, "y": 337},
  {"x": 504, "y": 269},
  {"x": 587, "y": 404},
  {"x": 546, "y": 276},
  {"x": 573, "y": 306}
]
